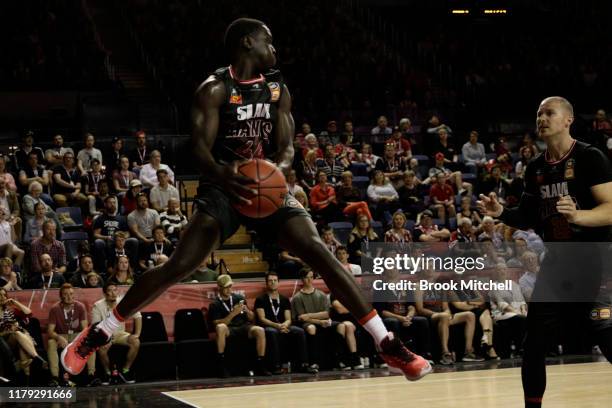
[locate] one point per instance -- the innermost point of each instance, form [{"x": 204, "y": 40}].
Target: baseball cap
[
  {"x": 224, "y": 281},
  {"x": 428, "y": 213},
  {"x": 135, "y": 183}
]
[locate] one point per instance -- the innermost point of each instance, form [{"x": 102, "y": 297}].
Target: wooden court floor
[{"x": 569, "y": 386}]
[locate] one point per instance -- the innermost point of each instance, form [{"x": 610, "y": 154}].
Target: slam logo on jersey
[
  {"x": 554, "y": 190},
  {"x": 259, "y": 110}
]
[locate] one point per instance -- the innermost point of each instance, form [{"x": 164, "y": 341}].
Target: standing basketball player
[
  {"x": 243, "y": 112},
  {"x": 567, "y": 198}
]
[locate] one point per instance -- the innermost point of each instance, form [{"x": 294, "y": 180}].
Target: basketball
[{"x": 270, "y": 185}]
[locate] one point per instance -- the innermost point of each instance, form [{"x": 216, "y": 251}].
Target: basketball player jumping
[
  {"x": 243, "y": 112},
  {"x": 568, "y": 197}
]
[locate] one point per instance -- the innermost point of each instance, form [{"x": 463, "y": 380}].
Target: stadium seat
[
  {"x": 410, "y": 225},
  {"x": 189, "y": 324},
  {"x": 156, "y": 358},
  {"x": 452, "y": 223},
  {"x": 75, "y": 215},
  {"x": 359, "y": 169},
  {"x": 71, "y": 242},
  {"x": 362, "y": 184},
  {"x": 195, "y": 353},
  {"x": 342, "y": 230},
  {"x": 468, "y": 176},
  {"x": 378, "y": 228},
  {"x": 490, "y": 156}
]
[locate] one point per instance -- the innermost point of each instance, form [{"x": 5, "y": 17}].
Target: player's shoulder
[
  {"x": 588, "y": 151},
  {"x": 273, "y": 75}
]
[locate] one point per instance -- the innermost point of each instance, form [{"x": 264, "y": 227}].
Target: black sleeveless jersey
[
  {"x": 248, "y": 116},
  {"x": 582, "y": 167}
]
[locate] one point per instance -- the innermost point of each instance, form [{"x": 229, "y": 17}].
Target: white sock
[
  {"x": 110, "y": 324},
  {"x": 376, "y": 328}
]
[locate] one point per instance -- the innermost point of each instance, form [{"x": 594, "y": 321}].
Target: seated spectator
[
  {"x": 202, "y": 274},
  {"x": 349, "y": 197},
  {"x": 10, "y": 180},
  {"x": 274, "y": 315},
  {"x": 48, "y": 276},
  {"x": 232, "y": 317},
  {"x": 150, "y": 253},
  {"x": 362, "y": 233},
  {"x": 344, "y": 152},
  {"x": 47, "y": 244},
  {"x": 73, "y": 264},
  {"x": 529, "y": 143},
  {"x": 366, "y": 156},
  {"x": 466, "y": 211},
  {"x": 330, "y": 135},
  {"x": 454, "y": 177},
  {"x": 173, "y": 220},
  {"x": 383, "y": 196},
  {"x": 104, "y": 228},
  {"x": 8, "y": 278},
  {"x": 292, "y": 183},
  {"x": 302, "y": 198},
  {"x": 525, "y": 157},
  {"x": 473, "y": 153},
  {"x": 427, "y": 231},
  {"x": 86, "y": 266},
  {"x": 497, "y": 184},
  {"x": 12, "y": 210},
  {"x": 119, "y": 248},
  {"x": 7, "y": 241},
  {"x": 329, "y": 239},
  {"x": 31, "y": 173},
  {"x": 312, "y": 145},
  {"x": 161, "y": 193},
  {"x": 148, "y": 172},
  {"x": 434, "y": 125},
  {"x": 442, "y": 198},
  {"x": 34, "y": 225},
  {"x": 411, "y": 195},
  {"x": 113, "y": 157},
  {"x": 527, "y": 281},
  {"x": 34, "y": 197},
  {"x": 139, "y": 156},
  {"x": 308, "y": 171},
  {"x": 398, "y": 312},
  {"x": 323, "y": 199},
  {"x": 392, "y": 166},
  {"x": 348, "y": 329},
  {"x": 289, "y": 265},
  {"x": 142, "y": 220},
  {"x": 67, "y": 183},
  {"x": 489, "y": 231},
  {"x": 519, "y": 248},
  {"x": 55, "y": 155},
  {"x": 13, "y": 319},
  {"x": 433, "y": 305},
  {"x": 122, "y": 177},
  {"x": 94, "y": 280},
  {"x": 403, "y": 149},
  {"x": 87, "y": 154},
  {"x": 67, "y": 318},
  {"x": 501, "y": 146},
  {"x": 299, "y": 138},
  {"x": 92, "y": 181},
  {"x": 382, "y": 131},
  {"x": 446, "y": 147},
  {"x": 462, "y": 240},
  {"x": 122, "y": 273},
  {"x": 128, "y": 202},
  {"x": 343, "y": 256},
  {"x": 398, "y": 234},
  {"x": 509, "y": 311},
  {"x": 100, "y": 311},
  {"x": 310, "y": 309},
  {"x": 473, "y": 301},
  {"x": 23, "y": 152},
  {"x": 332, "y": 166}
]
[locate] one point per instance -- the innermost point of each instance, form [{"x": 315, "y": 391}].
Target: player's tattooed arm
[{"x": 285, "y": 128}]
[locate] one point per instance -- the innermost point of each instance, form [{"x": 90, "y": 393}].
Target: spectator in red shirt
[
  {"x": 323, "y": 198},
  {"x": 403, "y": 148},
  {"x": 443, "y": 198}
]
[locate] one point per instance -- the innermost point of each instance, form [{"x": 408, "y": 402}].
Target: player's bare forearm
[
  {"x": 285, "y": 128},
  {"x": 596, "y": 217}
]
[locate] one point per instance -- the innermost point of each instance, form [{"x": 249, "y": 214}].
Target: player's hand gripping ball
[{"x": 270, "y": 186}]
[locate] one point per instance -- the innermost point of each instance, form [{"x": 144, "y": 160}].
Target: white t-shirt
[
  {"x": 148, "y": 175},
  {"x": 161, "y": 196},
  {"x": 101, "y": 311}
]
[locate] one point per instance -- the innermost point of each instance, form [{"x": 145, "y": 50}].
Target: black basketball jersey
[
  {"x": 582, "y": 167},
  {"x": 248, "y": 116}
]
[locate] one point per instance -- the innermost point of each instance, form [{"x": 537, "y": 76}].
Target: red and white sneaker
[
  {"x": 75, "y": 355},
  {"x": 403, "y": 361}
]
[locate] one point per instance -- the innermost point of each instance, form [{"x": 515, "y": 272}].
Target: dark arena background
[{"x": 438, "y": 96}]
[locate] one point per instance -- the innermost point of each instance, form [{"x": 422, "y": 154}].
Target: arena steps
[{"x": 243, "y": 262}]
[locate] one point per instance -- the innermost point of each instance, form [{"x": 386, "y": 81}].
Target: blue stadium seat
[
  {"x": 490, "y": 156},
  {"x": 75, "y": 215},
  {"x": 452, "y": 223},
  {"x": 71, "y": 242},
  {"x": 342, "y": 230},
  {"x": 362, "y": 183},
  {"x": 359, "y": 169},
  {"x": 378, "y": 228}
]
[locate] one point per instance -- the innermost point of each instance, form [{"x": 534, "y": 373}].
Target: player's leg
[
  {"x": 299, "y": 236},
  {"x": 201, "y": 237},
  {"x": 542, "y": 321}
]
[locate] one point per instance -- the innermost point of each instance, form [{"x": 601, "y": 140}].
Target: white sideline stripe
[{"x": 168, "y": 394}]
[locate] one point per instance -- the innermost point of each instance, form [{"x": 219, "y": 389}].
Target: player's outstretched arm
[{"x": 285, "y": 128}]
